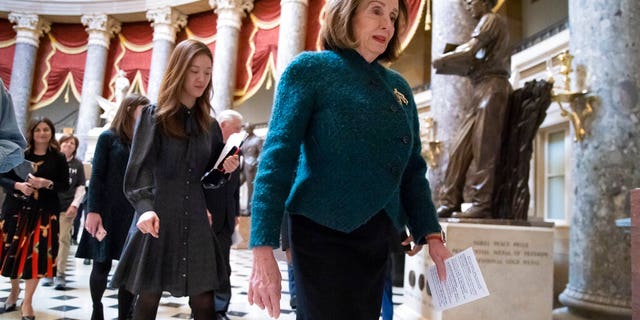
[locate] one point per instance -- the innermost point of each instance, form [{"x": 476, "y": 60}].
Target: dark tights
[
  {"x": 97, "y": 285},
  {"x": 201, "y": 305}
]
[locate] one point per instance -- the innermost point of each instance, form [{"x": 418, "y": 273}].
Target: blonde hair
[
  {"x": 171, "y": 90},
  {"x": 337, "y": 30}
]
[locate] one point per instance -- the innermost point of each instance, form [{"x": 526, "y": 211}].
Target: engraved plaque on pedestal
[{"x": 517, "y": 265}]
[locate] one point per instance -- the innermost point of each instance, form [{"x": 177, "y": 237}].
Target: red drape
[
  {"x": 62, "y": 53},
  {"x": 60, "y": 64},
  {"x": 130, "y": 51}
]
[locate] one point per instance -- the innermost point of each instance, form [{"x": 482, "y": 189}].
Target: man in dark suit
[{"x": 224, "y": 205}]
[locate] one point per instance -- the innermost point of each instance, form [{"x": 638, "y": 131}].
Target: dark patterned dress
[
  {"x": 163, "y": 175},
  {"x": 29, "y": 225}
]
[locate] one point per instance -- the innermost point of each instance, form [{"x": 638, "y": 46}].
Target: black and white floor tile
[{"x": 75, "y": 302}]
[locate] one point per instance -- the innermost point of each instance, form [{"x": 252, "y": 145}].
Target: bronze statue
[
  {"x": 527, "y": 110},
  {"x": 251, "y": 149},
  {"x": 485, "y": 60}
]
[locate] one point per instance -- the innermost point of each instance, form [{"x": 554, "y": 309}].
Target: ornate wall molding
[
  {"x": 29, "y": 27},
  {"x": 166, "y": 22},
  {"x": 100, "y": 28},
  {"x": 302, "y": 2},
  {"x": 231, "y": 12}
]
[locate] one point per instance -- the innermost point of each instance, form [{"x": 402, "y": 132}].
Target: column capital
[
  {"x": 231, "y": 12},
  {"x": 166, "y": 21},
  {"x": 100, "y": 28},
  {"x": 29, "y": 27}
]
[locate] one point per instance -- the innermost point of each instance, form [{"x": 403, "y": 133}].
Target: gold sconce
[
  {"x": 432, "y": 150},
  {"x": 578, "y": 101}
]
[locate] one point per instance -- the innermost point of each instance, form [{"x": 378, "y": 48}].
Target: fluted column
[
  {"x": 166, "y": 21},
  {"x": 100, "y": 28},
  {"x": 29, "y": 29},
  {"x": 451, "y": 94},
  {"x": 293, "y": 29},
  {"x": 230, "y": 14},
  {"x": 604, "y": 42}
]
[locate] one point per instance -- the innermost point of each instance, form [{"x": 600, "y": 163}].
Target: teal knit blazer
[{"x": 341, "y": 147}]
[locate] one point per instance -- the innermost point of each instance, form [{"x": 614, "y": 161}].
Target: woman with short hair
[{"x": 353, "y": 142}]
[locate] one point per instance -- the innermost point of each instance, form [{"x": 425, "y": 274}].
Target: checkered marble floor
[{"x": 75, "y": 302}]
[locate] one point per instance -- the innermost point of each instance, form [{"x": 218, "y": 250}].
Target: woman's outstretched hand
[
  {"x": 439, "y": 253},
  {"x": 265, "y": 283},
  {"x": 149, "y": 223},
  {"x": 93, "y": 223}
]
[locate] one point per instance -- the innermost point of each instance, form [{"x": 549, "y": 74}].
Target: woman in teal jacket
[{"x": 353, "y": 140}]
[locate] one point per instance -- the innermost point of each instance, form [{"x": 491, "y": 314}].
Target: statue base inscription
[{"x": 517, "y": 265}]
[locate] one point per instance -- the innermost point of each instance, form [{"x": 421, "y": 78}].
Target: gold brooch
[{"x": 401, "y": 98}]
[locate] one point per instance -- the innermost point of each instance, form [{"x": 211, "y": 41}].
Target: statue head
[
  {"x": 122, "y": 86},
  {"x": 248, "y": 127},
  {"x": 478, "y": 8}
]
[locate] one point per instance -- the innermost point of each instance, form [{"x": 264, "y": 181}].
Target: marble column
[
  {"x": 100, "y": 28},
  {"x": 451, "y": 94},
  {"x": 230, "y": 14},
  {"x": 293, "y": 27},
  {"x": 166, "y": 21},
  {"x": 29, "y": 28},
  {"x": 604, "y": 42}
]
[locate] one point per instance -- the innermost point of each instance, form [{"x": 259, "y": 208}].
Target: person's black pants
[{"x": 340, "y": 275}]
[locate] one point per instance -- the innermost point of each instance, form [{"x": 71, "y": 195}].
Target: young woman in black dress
[{"x": 172, "y": 246}]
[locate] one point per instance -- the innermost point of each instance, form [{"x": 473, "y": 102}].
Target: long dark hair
[
  {"x": 53, "y": 143},
  {"x": 171, "y": 89},
  {"x": 124, "y": 120}
]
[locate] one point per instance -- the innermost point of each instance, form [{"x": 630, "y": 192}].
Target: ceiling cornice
[{"x": 70, "y": 11}]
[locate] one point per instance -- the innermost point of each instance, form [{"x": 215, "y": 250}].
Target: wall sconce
[
  {"x": 578, "y": 101},
  {"x": 432, "y": 150}
]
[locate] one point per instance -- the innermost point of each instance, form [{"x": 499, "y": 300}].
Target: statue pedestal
[
  {"x": 517, "y": 265},
  {"x": 91, "y": 139}
]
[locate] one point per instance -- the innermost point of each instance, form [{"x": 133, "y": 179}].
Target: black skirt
[{"x": 340, "y": 275}]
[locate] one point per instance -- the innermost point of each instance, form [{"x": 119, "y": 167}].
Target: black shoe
[
  {"x": 28, "y": 317},
  {"x": 222, "y": 316},
  {"x": 9, "y": 308},
  {"x": 87, "y": 262}
]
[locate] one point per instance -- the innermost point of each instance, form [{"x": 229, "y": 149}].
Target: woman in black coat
[{"x": 109, "y": 213}]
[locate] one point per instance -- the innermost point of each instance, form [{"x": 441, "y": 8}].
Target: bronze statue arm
[{"x": 459, "y": 61}]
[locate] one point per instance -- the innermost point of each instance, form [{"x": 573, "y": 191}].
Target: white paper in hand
[
  {"x": 464, "y": 282},
  {"x": 234, "y": 140}
]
